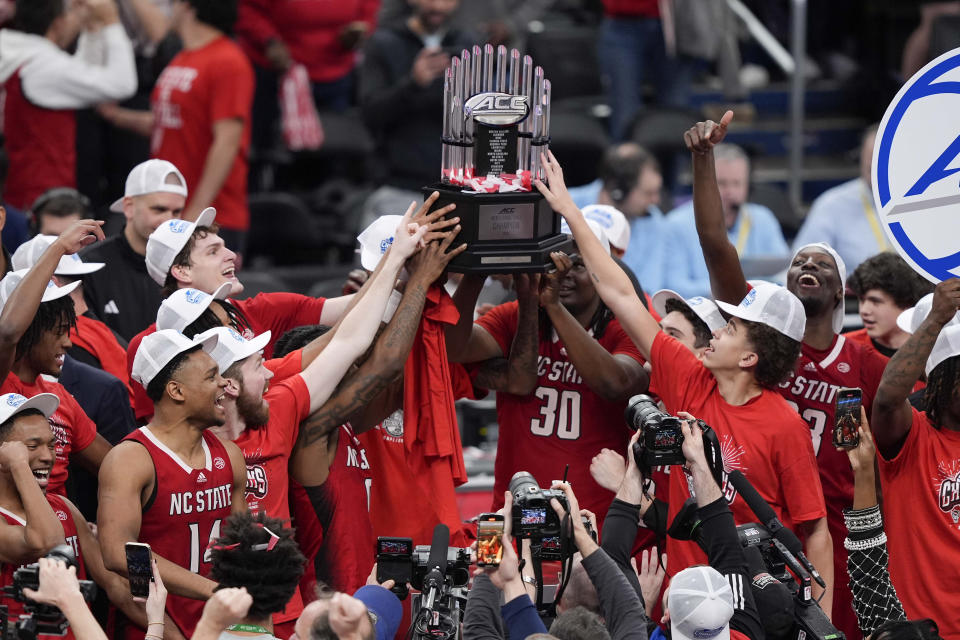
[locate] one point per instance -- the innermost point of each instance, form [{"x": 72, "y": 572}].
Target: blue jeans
[{"x": 631, "y": 51}]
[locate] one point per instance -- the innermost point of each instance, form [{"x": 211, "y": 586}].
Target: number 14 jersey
[{"x": 562, "y": 422}]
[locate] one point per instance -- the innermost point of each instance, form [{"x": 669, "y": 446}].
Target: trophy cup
[{"x": 496, "y": 123}]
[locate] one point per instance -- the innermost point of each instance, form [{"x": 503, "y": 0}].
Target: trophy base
[{"x": 504, "y": 232}]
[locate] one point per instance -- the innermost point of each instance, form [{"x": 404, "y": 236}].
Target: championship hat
[
  {"x": 183, "y": 306},
  {"x": 152, "y": 176},
  {"x": 376, "y": 239},
  {"x": 705, "y": 308},
  {"x": 700, "y": 602},
  {"x": 946, "y": 346},
  {"x": 28, "y": 254},
  {"x": 157, "y": 349},
  {"x": 13, "y": 403},
  {"x": 169, "y": 239},
  {"x": 52, "y": 292},
  {"x": 772, "y": 305},
  {"x": 228, "y": 346},
  {"x": 911, "y": 319},
  {"x": 838, "y": 311},
  {"x": 613, "y": 221},
  {"x": 594, "y": 226}
]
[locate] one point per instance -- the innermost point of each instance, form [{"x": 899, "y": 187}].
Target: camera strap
[{"x": 567, "y": 549}]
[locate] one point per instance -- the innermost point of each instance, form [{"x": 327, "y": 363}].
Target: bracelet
[
  {"x": 150, "y": 624},
  {"x": 530, "y": 580},
  {"x": 863, "y": 545},
  {"x": 863, "y": 519}
]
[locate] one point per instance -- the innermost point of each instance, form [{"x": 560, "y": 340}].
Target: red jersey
[
  {"x": 199, "y": 88},
  {"x": 860, "y": 335},
  {"x": 342, "y": 506},
  {"x": 562, "y": 422},
  {"x": 69, "y": 525},
  {"x": 266, "y": 451},
  {"x": 98, "y": 340},
  {"x": 41, "y": 144},
  {"x": 812, "y": 391},
  {"x": 921, "y": 511},
  {"x": 185, "y": 513},
  {"x": 764, "y": 439},
  {"x": 71, "y": 427},
  {"x": 276, "y": 312}
]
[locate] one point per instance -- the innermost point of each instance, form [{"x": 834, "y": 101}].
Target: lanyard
[
  {"x": 744, "y": 232},
  {"x": 248, "y": 628},
  {"x": 872, "y": 220}
]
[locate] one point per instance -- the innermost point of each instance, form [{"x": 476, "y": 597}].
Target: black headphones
[
  {"x": 48, "y": 196},
  {"x": 620, "y": 172}
]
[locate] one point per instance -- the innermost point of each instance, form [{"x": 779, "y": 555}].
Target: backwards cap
[
  {"x": 701, "y": 605},
  {"x": 152, "y": 176}
]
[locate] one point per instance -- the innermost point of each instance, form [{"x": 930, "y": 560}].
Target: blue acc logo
[
  {"x": 15, "y": 400},
  {"x": 178, "y": 226},
  {"x": 385, "y": 244},
  {"x": 916, "y": 160},
  {"x": 194, "y": 296},
  {"x": 749, "y": 299}
]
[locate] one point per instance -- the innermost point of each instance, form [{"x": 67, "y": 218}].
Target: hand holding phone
[
  {"x": 847, "y": 418},
  {"x": 489, "y": 539},
  {"x": 139, "y": 568},
  {"x": 395, "y": 562}
]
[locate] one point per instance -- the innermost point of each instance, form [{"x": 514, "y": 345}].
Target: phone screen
[
  {"x": 139, "y": 568},
  {"x": 489, "y": 540},
  {"x": 847, "y": 418}
]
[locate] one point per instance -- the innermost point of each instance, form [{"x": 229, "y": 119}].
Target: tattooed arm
[
  {"x": 359, "y": 389},
  {"x": 892, "y": 415},
  {"x": 518, "y": 374},
  {"x": 612, "y": 283}
]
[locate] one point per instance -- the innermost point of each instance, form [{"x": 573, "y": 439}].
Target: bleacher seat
[{"x": 255, "y": 282}]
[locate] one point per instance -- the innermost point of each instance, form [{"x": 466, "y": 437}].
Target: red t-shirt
[
  {"x": 199, "y": 88},
  {"x": 860, "y": 335},
  {"x": 185, "y": 513},
  {"x": 73, "y": 430},
  {"x": 812, "y": 391},
  {"x": 69, "y": 525},
  {"x": 921, "y": 505},
  {"x": 266, "y": 452},
  {"x": 764, "y": 439},
  {"x": 562, "y": 422},
  {"x": 97, "y": 339},
  {"x": 276, "y": 312}
]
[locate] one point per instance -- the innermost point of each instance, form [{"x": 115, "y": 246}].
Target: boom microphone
[
  {"x": 436, "y": 564},
  {"x": 768, "y": 518}
]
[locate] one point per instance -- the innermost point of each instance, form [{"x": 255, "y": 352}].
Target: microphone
[
  {"x": 436, "y": 564},
  {"x": 768, "y": 518}
]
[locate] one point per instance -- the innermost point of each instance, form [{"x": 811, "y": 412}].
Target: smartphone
[
  {"x": 395, "y": 562},
  {"x": 139, "y": 568},
  {"x": 489, "y": 539},
  {"x": 847, "y": 418}
]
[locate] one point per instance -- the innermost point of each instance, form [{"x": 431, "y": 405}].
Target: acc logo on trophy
[{"x": 916, "y": 169}]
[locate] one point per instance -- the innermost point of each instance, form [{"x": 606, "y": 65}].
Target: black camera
[
  {"x": 661, "y": 438},
  {"x": 532, "y": 515},
  {"x": 41, "y": 619},
  {"x": 551, "y": 548},
  {"x": 458, "y": 566},
  {"x": 399, "y": 560}
]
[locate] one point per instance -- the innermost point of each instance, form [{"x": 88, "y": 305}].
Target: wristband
[
  {"x": 529, "y": 580},
  {"x": 392, "y": 305}
]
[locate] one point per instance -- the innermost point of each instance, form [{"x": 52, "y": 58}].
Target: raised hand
[
  {"x": 408, "y": 236},
  {"x": 704, "y": 136},
  {"x": 226, "y": 607},
  {"x": 435, "y": 221},
  {"x": 79, "y": 235},
  {"x": 528, "y": 287},
  {"x": 608, "y": 469},
  {"x": 13, "y": 453},
  {"x": 432, "y": 260},
  {"x": 157, "y": 598},
  {"x": 551, "y": 282},
  {"x": 946, "y": 300},
  {"x": 555, "y": 191},
  {"x": 692, "y": 441},
  {"x": 58, "y": 584},
  {"x": 863, "y": 455},
  {"x": 650, "y": 576}
]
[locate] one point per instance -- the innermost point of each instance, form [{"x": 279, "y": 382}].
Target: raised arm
[
  {"x": 42, "y": 531},
  {"x": 466, "y": 341},
  {"x": 726, "y": 275},
  {"x": 21, "y": 307},
  {"x": 611, "y": 282},
  {"x": 517, "y": 374},
  {"x": 892, "y": 415}
]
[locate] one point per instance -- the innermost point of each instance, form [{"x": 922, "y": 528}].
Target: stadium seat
[
  {"x": 282, "y": 229},
  {"x": 568, "y": 56},
  {"x": 578, "y": 140},
  {"x": 255, "y": 282}
]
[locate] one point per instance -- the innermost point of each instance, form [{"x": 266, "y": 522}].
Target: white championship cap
[
  {"x": 52, "y": 292},
  {"x": 169, "y": 239},
  {"x": 772, "y": 305},
  {"x": 183, "y": 306},
  {"x": 594, "y": 226},
  {"x": 700, "y": 602},
  {"x": 376, "y": 239},
  {"x": 946, "y": 346},
  {"x": 158, "y": 349},
  {"x": 911, "y": 319},
  {"x": 229, "y": 346},
  {"x": 152, "y": 176},
  {"x": 613, "y": 221},
  {"x": 838, "y": 311},
  {"x": 28, "y": 254},
  {"x": 13, "y": 403},
  {"x": 705, "y": 308}
]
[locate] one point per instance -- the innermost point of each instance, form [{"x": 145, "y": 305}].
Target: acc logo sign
[
  {"x": 916, "y": 162},
  {"x": 497, "y": 109}
]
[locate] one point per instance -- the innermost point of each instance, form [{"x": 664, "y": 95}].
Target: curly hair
[
  {"x": 942, "y": 385},
  {"x": 56, "y": 315},
  {"x": 776, "y": 353},
  {"x": 219, "y": 14},
  {"x": 159, "y": 383},
  {"x": 210, "y": 320},
  {"x": 889, "y": 273},
  {"x": 182, "y": 259},
  {"x": 271, "y": 576},
  {"x": 701, "y": 332},
  {"x": 925, "y": 629}
]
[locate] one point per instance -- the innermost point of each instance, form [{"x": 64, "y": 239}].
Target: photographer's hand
[
  {"x": 372, "y": 579},
  {"x": 506, "y": 576},
  {"x": 59, "y": 587},
  {"x": 585, "y": 544},
  {"x": 631, "y": 487},
  {"x": 862, "y": 458},
  {"x": 704, "y": 484},
  {"x": 156, "y": 602}
]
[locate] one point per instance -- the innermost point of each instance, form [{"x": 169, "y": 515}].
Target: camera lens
[
  {"x": 523, "y": 482},
  {"x": 642, "y": 412}
]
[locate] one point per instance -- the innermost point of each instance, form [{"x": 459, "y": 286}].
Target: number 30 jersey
[
  {"x": 185, "y": 512},
  {"x": 562, "y": 422}
]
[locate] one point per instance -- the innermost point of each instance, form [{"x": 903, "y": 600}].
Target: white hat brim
[
  {"x": 80, "y": 269},
  {"x": 55, "y": 292},
  {"x": 660, "y": 299}
]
